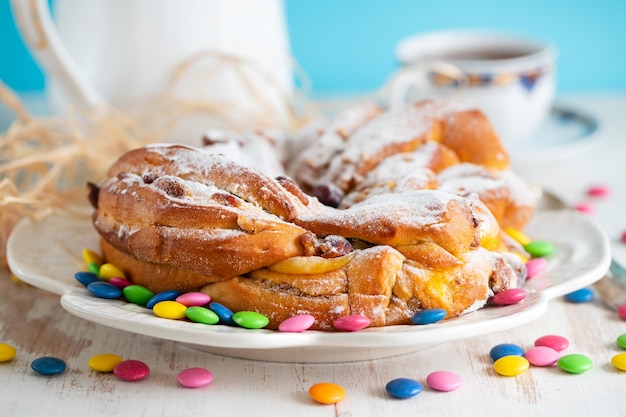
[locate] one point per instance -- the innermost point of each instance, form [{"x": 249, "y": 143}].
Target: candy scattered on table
[
  {"x": 619, "y": 361},
  {"x": 250, "y": 319},
  {"x": 575, "y": 363},
  {"x": 535, "y": 266},
  {"x": 131, "y": 370},
  {"x": 444, "y": 381},
  {"x": 512, "y": 365},
  {"x": 621, "y": 341},
  {"x": 624, "y": 237},
  {"x": 403, "y": 388},
  {"x": 586, "y": 208},
  {"x": 7, "y": 352},
  {"x": 298, "y": 323},
  {"x": 556, "y": 342},
  {"x": 429, "y": 316},
  {"x": 583, "y": 295},
  {"x": 104, "y": 362},
  {"x": 542, "y": 356},
  {"x": 505, "y": 349},
  {"x": 48, "y": 365},
  {"x": 509, "y": 296},
  {"x": 327, "y": 393},
  {"x": 599, "y": 191},
  {"x": 351, "y": 323},
  {"x": 195, "y": 377}
]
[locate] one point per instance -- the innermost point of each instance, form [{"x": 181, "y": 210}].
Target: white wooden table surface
[{"x": 35, "y": 324}]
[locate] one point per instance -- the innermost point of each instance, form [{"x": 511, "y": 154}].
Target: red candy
[
  {"x": 624, "y": 237},
  {"x": 621, "y": 310},
  {"x": 598, "y": 191},
  {"x": 555, "y": 342},
  {"x": 510, "y": 296},
  {"x": 131, "y": 370}
]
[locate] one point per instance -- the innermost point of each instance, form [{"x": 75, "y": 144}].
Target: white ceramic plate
[
  {"x": 567, "y": 131},
  {"x": 46, "y": 254}
]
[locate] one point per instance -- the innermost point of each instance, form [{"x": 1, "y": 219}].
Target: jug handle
[{"x": 34, "y": 22}]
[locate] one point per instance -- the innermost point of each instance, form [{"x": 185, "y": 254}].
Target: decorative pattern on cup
[{"x": 527, "y": 79}]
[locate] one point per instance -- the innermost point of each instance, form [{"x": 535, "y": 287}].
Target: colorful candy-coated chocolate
[
  {"x": 351, "y": 323},
  {"x": 511, "y": 365},
  {"x": 517, "y": 235},
  {"x": 94, "y": 267},
  {"x": 170, "y": 310},
  {"x": 621, "y": 311},
  {"x": 586, "y": 208},
  {"x": 137, "y": 294},
  {"x": 444, "y": 381},
  {"x": 202, "y": 315},
  {"x": 403, "y": 388},
  {"x": 539, "y": 249},
  {"x": 131, "y": 370},
  {"x": 90, "y": 256},
  {"x": 619, "y": 361},
  {"x": 623, "y": 237},
  {"x": 108, "y": 270},
  {"x": 48, "y": 365},
  {"x": 194, "y": 298},
  {"x": 7, "y": 352},
  {"x": 556, "y": 342},
  {"x": 250, "y": 319},
  {"x": 535, "y": 266},
  {"x": 621, "y": 341},
  {"x": 505, "y": 349},
  {"x": 103, "y": 289},
  {"x": 162, "y": 296},
  {"x": 542, "y": 356},
  {"x": 575, "y": 363},
  {"x": 104, "y": 362},
  {"x": 194, "y": 377},
  {"x": 599, "y": 190},
  {"x": 327, "y": 393},
  {"x": 509, "y": 296},
  {"x": 428, "y": 316},
  {"x": 120, "y": 282},
  {"x": 86, "y": 278},
  {"x": 296, "y": 324},
  {"x": 583, "y": 295},
  {"x": 224, "y": 313}
]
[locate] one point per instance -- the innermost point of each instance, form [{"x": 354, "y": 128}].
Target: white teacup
[{"x": 510, "y": 78}]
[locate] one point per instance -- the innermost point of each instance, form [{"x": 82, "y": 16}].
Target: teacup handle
[
  {"x": 416, "y": 77},
  {"x": 34, "y": 21}
]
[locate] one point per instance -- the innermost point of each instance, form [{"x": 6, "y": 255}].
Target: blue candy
[
  {"x": 48, "y": 365},
  {"x": 86, "y": 278},
  {"x": 103, "y": 289},
  {"x": 223, "y": 312},
  {"x": 403, "y": 388},
  {"x": 428, "y": 316},
  {"x": 162, "y": 296},
  {"x": 583, "y": 295},
  {"x": 505, "y": 349}
]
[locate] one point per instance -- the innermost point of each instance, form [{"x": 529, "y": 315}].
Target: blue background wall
[{"x": 346, "y": 46}]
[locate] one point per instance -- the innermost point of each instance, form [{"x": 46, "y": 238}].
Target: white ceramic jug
[{"x": 123, "y": 51}]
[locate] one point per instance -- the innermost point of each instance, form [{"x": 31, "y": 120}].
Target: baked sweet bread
[{"x": 394, "y": 233}]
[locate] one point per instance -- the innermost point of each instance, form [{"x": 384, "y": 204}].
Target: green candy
[
  {"x": 201, "y": 315},
  {"x": 94, "y": 267},
  {"x": 539, "y": 249},
  {"x": 250, "y": 319},
  {"x": 574, "y": 363},
  {"x": 137, "y": 294},
  {"x": 621, "y": 341}
]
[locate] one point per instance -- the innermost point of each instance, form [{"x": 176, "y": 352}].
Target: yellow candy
[
  {"x": 522, "y": 257},
  {"x": 7, "y": 352},
  {"x": 90, "y": 256},
  {"x": 619, "y": 361},
  {"x": 104, "y": 362},
  {"x": 518, "y": 235},
  {"x": 15, "y": 279},
  {"x": 170, "y": 310},
  {"x": 327, "y": 393},
  {"x": 108, "y": 271},
  {"x": 511, "y": 365}
]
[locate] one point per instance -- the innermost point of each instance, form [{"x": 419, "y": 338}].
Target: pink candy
[
  {"x": 535, "y": 266},
  {"x": 542, "y": 356},
  {"x": 193, "y": 299},
  {"x": 555, "y": 342},
  {"x": 131, "y": 370},
  {"x": 119, "y": 282},
  {"x": 195, "y": 377},
  {"x": 624, "y": 237},
  {"x": 297, "y": 323},
  {"x": 444, "y": 381},
  {"x": 621, "y": 311},
  {"x": 351, "y": 323},
  {"x": 599, "y": 191},
  {"x": 510, "y": 296},
  {"x": 586, "y": 208}
]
